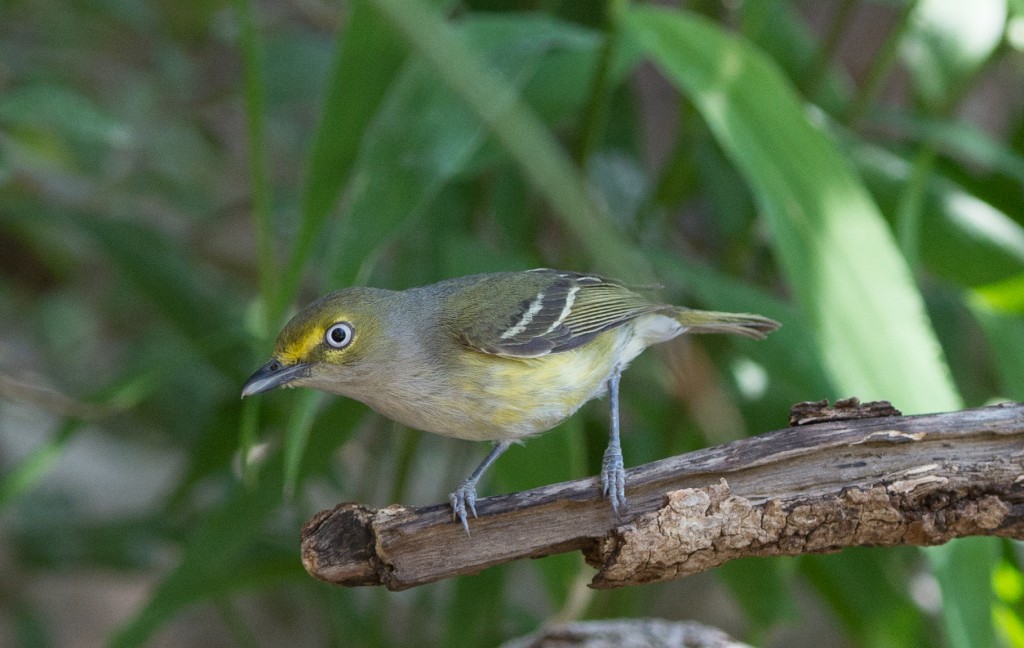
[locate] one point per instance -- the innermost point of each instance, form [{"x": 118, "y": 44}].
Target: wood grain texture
[{"x": 812, "y": 488}]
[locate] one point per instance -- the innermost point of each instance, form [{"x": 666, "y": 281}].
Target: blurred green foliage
[{"x": 175, "y": 178}]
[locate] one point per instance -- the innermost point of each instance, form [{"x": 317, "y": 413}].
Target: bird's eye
[{"x": 339, "y": 335}]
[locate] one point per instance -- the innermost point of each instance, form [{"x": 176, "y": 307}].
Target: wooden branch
[
  {"x": 627, "y": 632},
  {"x": 813, "y": 488}
]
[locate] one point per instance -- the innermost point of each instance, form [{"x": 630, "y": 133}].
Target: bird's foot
[
  {"x": 463, "y": 499},
  {"x": 613, "y": 479}
]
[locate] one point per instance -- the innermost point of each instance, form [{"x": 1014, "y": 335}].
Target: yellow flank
[{"x": 513, "y": 398}]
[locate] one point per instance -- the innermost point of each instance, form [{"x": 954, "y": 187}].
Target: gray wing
[{"x": 545, "y": 311}]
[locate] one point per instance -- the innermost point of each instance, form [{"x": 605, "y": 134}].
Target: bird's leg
[
  {"x": 465, "y": 495},
  {"x": 613, "y": 474}
]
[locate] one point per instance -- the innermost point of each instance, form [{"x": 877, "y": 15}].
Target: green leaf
[
  {"x": 255, "y": 118},
  {"x": 948, "y": 42},
  {"x": 1004, "y": 296},
  {"x": 866, "y": 590},
  {"x": 300, "y": 426},
  {"x": 778, "y": 28},
  {"x": 424, "y": 136},
  {"x": 59, "y": 111},
  {"x": 1005, "y": 335},
  {"x": 763, "y": 588},
  {"x": 964, "y": 568},
  {"x": 218, "y": 557},
  {"x": 1008, "y": 585},
  {"x": 840, "y": 258},
  {"x": 479, "y": 612},
  {"x": 32, "y": 626},
  {"x": 1010, "y": 625},
  {"x": 160, "y": 270},
  {"x": 957, "y": 139},
  {"x": 367, "y": 59},
  {"x": 963, "y": 238},
  {"x": 945, "y": 46},
  {"x": 518, "y": 131},
  {"x": 20, "y": 478}
]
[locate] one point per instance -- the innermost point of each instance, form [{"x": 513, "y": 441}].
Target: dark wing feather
[{"x": 543, "y": 311}]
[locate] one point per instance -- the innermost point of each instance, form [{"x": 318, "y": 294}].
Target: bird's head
[{"x": 328, "y": 344}]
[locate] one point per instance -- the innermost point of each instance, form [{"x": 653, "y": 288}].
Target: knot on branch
[{"x": 846, "y": 409}]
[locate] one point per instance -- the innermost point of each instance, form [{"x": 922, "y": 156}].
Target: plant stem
[
  {"x": 816, "y": 72},
  {"x": 255, "y": 132},
  {"x": 881, "y": 65},
  {"x": 596, "y": 111},
  {"x": 908, "y": 211}
]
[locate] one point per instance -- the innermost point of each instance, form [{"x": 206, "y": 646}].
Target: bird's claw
[
  {"x": 613, "y": 479},
  {"x": 463, "y": 499}
]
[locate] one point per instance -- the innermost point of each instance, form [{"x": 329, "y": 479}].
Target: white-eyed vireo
[{"x": 491, "y": 357}]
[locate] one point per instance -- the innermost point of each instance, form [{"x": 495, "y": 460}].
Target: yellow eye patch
[{"x": 296, "y": 345}]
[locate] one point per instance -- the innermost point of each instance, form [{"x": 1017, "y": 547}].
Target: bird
[{"x": 497, "y": 357}]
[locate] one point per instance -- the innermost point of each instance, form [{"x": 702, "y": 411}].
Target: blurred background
[{"x": 176, "y": 178}]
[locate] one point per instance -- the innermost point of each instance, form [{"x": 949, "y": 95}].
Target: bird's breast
[{"x": 513, "y": 398}]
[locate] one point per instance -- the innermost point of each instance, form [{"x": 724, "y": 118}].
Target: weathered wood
[
  {"x": 627, "y": 633},
  {"x": 819, "y": 487}
]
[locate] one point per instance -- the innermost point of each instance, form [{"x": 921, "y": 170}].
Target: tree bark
[
  {"x": 833, "y": 480},
  {"x": 627, "y": 633}
]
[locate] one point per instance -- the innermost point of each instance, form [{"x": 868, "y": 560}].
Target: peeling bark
[{"x": 833, "y": 481}]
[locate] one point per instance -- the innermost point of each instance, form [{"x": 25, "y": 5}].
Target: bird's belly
[
  {"x": 521, "y": 398},
  {"x": 487, "y": 397}
]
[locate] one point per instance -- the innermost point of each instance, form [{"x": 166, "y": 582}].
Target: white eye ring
[{"x": 339, "y": 335}]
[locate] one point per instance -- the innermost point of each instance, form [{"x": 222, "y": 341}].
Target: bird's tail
[{"x": 745, "y": 324}]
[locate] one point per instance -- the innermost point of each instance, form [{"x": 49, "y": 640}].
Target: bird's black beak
[{"x": 273, "y": 374}]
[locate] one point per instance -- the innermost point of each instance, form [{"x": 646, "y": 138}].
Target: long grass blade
[{"x": 840, "y": 258}]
